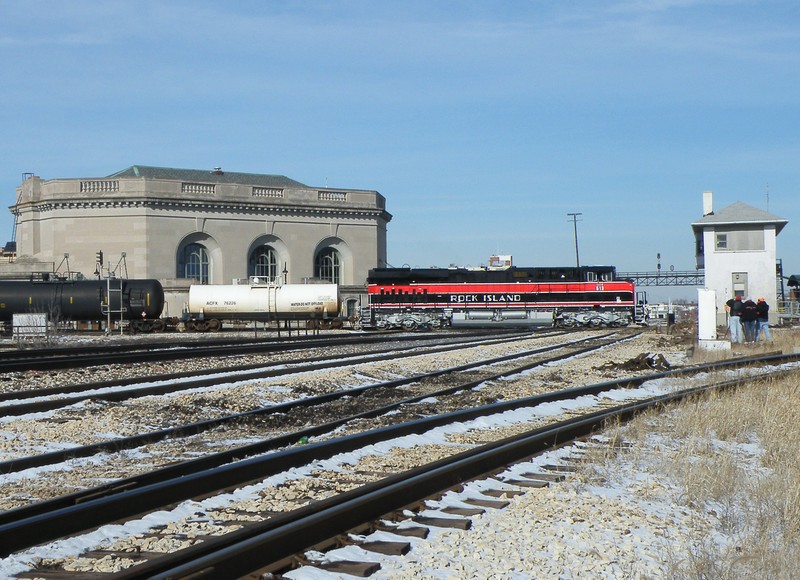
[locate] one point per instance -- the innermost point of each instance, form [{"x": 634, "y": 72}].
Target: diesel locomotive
[{"x": 409, "y": 298}]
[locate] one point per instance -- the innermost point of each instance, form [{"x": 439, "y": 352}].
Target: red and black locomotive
[{"x": 515, "y": 296}]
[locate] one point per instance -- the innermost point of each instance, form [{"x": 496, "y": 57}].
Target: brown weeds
[{"x": 735, "y": 455}]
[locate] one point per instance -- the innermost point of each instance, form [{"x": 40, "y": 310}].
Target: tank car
[
  {"x": 510, "y": 297},
  {"x": 210, "y": 305},
  {"x": 137, "y": 301}
]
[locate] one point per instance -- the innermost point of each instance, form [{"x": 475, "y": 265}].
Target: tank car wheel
[
  {"x": 409, "y": 325},
  {"x": 191, "y": 326},
  {"x": 336, "y": 324},
  {"x": 214, "y": 325},
  {"x": 312, "y": 325},
  {"x": 159, "y": 325}
]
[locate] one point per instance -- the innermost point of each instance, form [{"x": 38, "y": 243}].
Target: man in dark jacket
[
  {"x": 749, "y": 317},
  {"x": 734, "y": 309},
  {"x": 762, "y": 323}
]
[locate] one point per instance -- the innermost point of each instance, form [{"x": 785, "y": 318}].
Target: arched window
[
  {"x": 264, "y": 263},
  {"x": 328, "y": 266},
  {"x": 193, "y": 263}
]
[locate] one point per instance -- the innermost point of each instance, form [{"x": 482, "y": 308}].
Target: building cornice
[{"x": 163, "y": 204}]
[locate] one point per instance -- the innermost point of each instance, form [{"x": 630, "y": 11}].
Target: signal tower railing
[{"x": 788, "y": 310}]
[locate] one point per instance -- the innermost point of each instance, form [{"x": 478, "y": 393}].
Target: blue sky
[{"x": 483, "y": 123}]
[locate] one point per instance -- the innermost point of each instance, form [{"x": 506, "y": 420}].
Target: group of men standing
[{"x": 748, "y": 316}]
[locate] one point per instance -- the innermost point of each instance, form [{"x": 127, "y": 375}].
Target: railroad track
[
  {"x": 390, "y": 400},
  {"x": 256, "y": 468},
  {"x": 278, "y": 543},
  {"x": 117, "y": 390},
  {"x": 132, "y": 352}
]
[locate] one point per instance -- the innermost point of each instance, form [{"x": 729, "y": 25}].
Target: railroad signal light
[{"x": 100, "y": 257}]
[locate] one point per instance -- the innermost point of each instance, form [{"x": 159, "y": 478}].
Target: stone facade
[{"x": 193, "y": 226}]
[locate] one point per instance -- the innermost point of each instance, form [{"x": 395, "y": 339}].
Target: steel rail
[
  {"x": 14, "y": 354},
  {"x": 122, "y": 382},
  {"x": 261, "y": 544},
  {"x": 205, "y": 340},
  {"x": 190, "y": 350},
  {"x": 222, "y": 376},
  {"x": 43, "y": 527},
  {"x": 184, "y": 468}
]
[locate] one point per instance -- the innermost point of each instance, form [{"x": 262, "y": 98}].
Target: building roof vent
[{"x": 218, "y": 171}]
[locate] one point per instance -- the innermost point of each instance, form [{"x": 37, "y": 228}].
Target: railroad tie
[
  {"x": 487, "y": 503},
  {"x": 455, "y": 523},
  {"x": 463, "y": 511},
  {"x": 420, "y": 532},
  {"x": 502, "y": 492},
  {"x": 360, "y": 569},
  {"x": 386, "y": 548}
]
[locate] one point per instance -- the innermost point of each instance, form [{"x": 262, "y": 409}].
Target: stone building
[
  {"x": 185, "y": 226},
  {"x": 736, "y": 246}
]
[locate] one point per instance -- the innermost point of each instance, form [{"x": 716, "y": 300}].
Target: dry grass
[{"x": 734, "y": 455}]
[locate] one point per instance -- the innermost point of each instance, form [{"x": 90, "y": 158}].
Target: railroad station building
[
  {"x": 185, "y": 226},
  {"x": 737, "y": 248}
]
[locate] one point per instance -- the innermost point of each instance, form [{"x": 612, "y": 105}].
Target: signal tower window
[{"x": 722, "y": 241}]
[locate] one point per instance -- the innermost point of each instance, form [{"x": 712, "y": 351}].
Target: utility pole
[{"x": 574, "y": 217}]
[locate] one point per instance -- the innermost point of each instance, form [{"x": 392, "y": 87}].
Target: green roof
[{"x": 207, "y": 176}]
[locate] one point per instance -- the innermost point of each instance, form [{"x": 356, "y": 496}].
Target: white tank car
[{"x": 263, "y": 302}]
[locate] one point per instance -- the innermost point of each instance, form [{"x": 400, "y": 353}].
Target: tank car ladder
[
  {"x": 106, "y": 307},
  {"x": 272, "y": 306}
]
